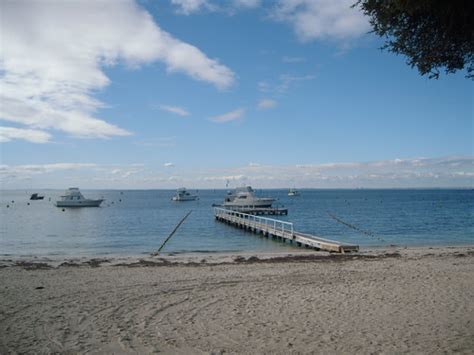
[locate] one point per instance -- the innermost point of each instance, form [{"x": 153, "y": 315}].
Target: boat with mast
[{"x": 293, "y": 192}]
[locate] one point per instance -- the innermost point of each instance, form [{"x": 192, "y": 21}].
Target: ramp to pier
[{"x": 281, "y": 230}]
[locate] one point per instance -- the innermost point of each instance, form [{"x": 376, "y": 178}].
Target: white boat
[
  {"x": 183, "y": 195},
  {"x": 73, "y": 198},
  {"x": 293, "y": 192},
  {"x": 244, "y": 197}
]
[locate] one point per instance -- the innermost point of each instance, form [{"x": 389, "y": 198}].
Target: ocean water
[{"x": 136, "y": 222}]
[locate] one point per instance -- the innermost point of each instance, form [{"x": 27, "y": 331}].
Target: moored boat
[
  {"x": 183, "y": 195},
  {"x": 293, "y": 192},
  {"x": 35, "y": 197},
  {"x": 244, "y": 197},
  {"x": 74, "y": 198}
]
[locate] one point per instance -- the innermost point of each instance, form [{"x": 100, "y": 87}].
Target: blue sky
[{"x": 159, "y": 94}]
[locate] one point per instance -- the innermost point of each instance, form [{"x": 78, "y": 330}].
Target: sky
[{"x": 208, "y": 94}]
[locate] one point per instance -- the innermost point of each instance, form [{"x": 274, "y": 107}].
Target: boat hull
[
  {"x": 82, "y": 203},
  {"x": 181, "y": 199},
  {"x": 255, "y": 203}
]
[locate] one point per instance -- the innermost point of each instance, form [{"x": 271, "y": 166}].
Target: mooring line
[
  {"x": 368, "y": 233},
  {"x": 171, "y": 234}
]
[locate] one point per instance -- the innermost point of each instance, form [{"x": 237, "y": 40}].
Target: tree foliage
[{"x": 433, "y": 34}]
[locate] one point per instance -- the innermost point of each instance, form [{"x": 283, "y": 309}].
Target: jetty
[{"x": 280, "y": 230}]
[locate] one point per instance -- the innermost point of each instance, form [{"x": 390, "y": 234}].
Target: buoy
[
  {"x": 8, "y": 206},
  {"x": 64, "y": 209},
  {"x": 28, "y": 203}
]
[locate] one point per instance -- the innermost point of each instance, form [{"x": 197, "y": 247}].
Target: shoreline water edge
[
  {"x": 230, "y": 257},
  {"x": 392, "y": 300}
]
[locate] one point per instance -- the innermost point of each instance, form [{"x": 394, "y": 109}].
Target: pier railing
[{"x": 254, "y": 221}]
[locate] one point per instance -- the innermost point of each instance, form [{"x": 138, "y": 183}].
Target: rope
[{"x": 368, "y": 233}]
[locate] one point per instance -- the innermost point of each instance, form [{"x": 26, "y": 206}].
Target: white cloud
[
  {"x": 225, "y": 178},
  {"x": 59, "y": 174},
  {"x": 168, "y": 165},
  {"x": 414, "y": 172},
  {"x": 322, "y": 19},
  {"x": 52, "y": 61},
  {"x": 264, "y": 86},
  {"x": 187, "y": 7},
  {"x": 266, "y": 104},
  {"x": 33, "y": 169},
  {"x": 30, "y": 135},
  {"x": 174, "y": 109},
  {"x": 249, "y": 4},
  {"x": 124, "y": 173},
  {"x": 334, "y": 20},
  {"x": 285, "y": 82},
  {"x": 229, "y": 116},
  {"x": 293, "y": 59}
]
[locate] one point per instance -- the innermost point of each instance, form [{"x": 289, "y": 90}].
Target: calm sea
[{"x": 132, "y": 222}]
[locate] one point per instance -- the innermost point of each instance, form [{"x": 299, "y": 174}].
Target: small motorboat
[
  {"x": 35, "y": 197},
  {"x": 183, "y": 195}
]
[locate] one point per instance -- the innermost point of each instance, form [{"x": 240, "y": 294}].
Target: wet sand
[{"x": 417, "y": 300}]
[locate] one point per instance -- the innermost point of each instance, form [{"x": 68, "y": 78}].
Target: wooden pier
[{"x": 280, "y": 230}]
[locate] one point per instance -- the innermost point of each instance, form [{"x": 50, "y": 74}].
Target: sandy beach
[{"x": 416, "y": 300}]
